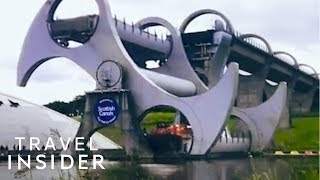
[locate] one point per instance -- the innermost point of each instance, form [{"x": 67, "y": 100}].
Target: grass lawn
[
  {"x": 113, "y": 133},
  {"x": 304, "y": 135},
  {"x": 153, "y": 118}
]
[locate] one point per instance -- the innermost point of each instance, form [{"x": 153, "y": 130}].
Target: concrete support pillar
[
  {"x": 301, "y": 102},
  {"x": 315, "y": 104},
  {"x": 90, "y": 124},
  {"x": 250, "y": 92},
  {"x": 286, "y": 119},
  {"x": 251, "y": 88}
]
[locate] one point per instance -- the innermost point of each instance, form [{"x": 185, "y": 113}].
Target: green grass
[
  {"x": 232, "y": 125},
  {"x": 304, "y": 135},
  {"x": 153, "y": 118},
  {"x": 113, "y": 133},
  {"x": 158, "y": 117}
]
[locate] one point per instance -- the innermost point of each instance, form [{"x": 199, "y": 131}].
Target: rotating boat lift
[
  {"x": 105, "y": 44},
  {"x": 261, "y": 120},
  {"x": 175, "y": 84}
]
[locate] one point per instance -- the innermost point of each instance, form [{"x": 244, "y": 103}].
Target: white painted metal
[
  {"x": 105, "y": 44},
  {"x": 263, "y": 120}
]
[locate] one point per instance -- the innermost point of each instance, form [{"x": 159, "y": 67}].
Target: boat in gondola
[{"x": 170, "y": 138}]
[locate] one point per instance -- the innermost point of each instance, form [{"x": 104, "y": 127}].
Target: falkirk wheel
[
  {"x": 134, "y": 90},
  {"x": 261, "y": 120}
]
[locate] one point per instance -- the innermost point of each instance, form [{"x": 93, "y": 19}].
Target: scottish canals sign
[{"x": 106, "y": 111}]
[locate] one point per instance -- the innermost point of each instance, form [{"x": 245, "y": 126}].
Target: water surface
[{"x": 238, "y": 169}]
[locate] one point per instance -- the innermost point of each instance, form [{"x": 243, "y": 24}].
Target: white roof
[{"x": 31, "y": 120}]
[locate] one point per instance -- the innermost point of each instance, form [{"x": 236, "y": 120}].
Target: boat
[{"x": 166, "y": 138}]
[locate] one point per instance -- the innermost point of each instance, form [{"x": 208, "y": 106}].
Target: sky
[{"x": 288, "y": 25}]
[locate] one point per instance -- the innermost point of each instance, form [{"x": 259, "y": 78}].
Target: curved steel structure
[
  {"x": 316, "y": 75},
  {"x": 306, "y": 65},
  {"x": 178, "y": 63},
  {"x": 105, "y": 44},
  {"x": 217, "y": 64},
  {"x": 175, "y": 84},
  {"x": 296, "y": 64},
  {"x": 262, "y": 124},
  {"x": 261, "y": 136},
  {"x": 196, "y": 14},
  {"x": 246, "y": 36}
]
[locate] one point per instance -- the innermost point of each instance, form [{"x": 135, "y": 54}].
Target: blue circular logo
[{"x": 106, "y": 111}]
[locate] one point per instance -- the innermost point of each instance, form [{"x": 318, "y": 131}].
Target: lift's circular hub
[{"x": 108, "y": 74}]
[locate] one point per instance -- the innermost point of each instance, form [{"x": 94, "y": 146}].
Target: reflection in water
[{"x": 240, "y": 169}]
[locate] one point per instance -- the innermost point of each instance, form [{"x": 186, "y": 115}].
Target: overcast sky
[{"x": 288, "y": 25}]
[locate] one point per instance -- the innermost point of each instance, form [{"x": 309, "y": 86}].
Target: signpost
[{"x": 106, "y": 111}]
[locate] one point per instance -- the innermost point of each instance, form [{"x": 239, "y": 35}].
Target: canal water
[{"x": 270, "y": 168}]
